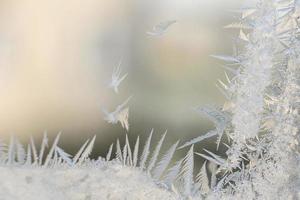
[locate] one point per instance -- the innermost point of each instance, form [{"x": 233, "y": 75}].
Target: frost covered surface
[
  {"x": 263, "y": 155},
  {"x": 35, "y": 174},
  {"x": 263, "y": 103},
  {"x": 109, "y": 181}
]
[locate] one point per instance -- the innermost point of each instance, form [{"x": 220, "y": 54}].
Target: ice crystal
[
  {"x": 120, "y": 114},
  {"x": 161, "y": 28},
  {"x": 116, "y": 78}
]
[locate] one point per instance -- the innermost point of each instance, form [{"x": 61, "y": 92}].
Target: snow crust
[{"x": 110, "y": 182}]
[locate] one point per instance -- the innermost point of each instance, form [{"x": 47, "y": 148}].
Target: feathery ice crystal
[{"x": 161, "y": 28}]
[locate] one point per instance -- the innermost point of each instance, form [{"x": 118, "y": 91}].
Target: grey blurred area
[{"x": 57, "y": 57}]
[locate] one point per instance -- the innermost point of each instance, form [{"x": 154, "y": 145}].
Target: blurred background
[{"x": 57, "y": 57}]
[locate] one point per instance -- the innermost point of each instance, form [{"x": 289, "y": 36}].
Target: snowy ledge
[{"x": 108, "y": 182}]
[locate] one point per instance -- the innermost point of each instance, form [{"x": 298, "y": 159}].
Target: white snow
[{"x": 108, "y": 182}]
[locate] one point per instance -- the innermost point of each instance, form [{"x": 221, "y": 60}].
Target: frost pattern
[{"x": 261, "y": 121}]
